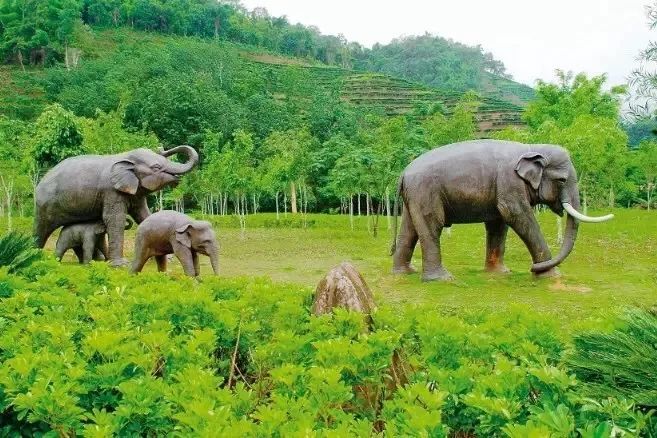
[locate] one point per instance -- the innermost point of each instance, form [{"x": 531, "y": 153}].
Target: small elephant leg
[
  {"x": 184, "y": 254},
  {"x": 79, "y": 253},
  {"x": 103, "y": 248},
  {"x": 495, "y": 245},
  {"x": 197, "y": 267},
  {"x": 141, "y": 256},
  {"x": 88, "y": 248},
  {"x": 60, "y": 249},
  {"x": 405, "y": 246},
  {"x": 99, "y": 255},
  {"x": 161, "y": 263},
  {"x": 429, "y": 228}
]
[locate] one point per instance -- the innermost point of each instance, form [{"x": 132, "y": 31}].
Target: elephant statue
[
  {"x": 105, "y": 188},
  {"x": 87, "y": 240},
  {"x": 169, "y": 232},
  {"x": 489, "y": 181}
]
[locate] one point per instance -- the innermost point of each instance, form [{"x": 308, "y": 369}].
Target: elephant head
[
  {"x": 150, "y": 171},
  {"x": 552, "y": 180},
  {"x": 199, "y": 236}
]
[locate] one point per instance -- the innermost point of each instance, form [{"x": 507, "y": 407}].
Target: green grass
[{"x": 611, "y": 267}]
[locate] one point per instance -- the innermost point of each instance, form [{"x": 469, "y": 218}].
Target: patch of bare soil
[{"x": 560, "y": 286}]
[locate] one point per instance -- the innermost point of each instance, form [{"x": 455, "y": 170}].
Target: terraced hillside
[
  {"x": 394, "y": 96},
  {"x": 23, "y": 94}
]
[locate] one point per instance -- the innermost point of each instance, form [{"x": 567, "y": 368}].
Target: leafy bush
[
  {"x": 17, "y": 251},
  {"x": 94, "y": 351},
  {"x": 620, "y": 363}
]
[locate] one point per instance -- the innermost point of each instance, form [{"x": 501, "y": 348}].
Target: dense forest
[{"x": 277, "y": 132}]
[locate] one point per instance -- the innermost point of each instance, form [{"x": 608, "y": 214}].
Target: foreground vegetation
[{"x": 94, "y": 351}]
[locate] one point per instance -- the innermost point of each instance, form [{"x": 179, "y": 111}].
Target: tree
[
  {"x": 646, "y": 160},
  {"x": 288, "y": 153},
  {"x": 459, "y": 126},
  {"x": 571, "y": 97},
  {"x": 31, "y": 27},
  {"x": 57, "y": 136}
]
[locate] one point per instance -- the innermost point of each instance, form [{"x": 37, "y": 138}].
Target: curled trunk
[{"x": 180, "y": 168}]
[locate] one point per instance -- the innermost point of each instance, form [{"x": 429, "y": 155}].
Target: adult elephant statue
[
  {"x": 489, "y": 181},
  {"x": 105, "y": 187}
]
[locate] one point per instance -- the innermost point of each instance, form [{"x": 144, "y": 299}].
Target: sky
[{"x": 531, "y": 37}]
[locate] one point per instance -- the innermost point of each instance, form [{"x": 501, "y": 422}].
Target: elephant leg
[
  {"x": 429, "y": 228},
  {"x": 495, "y": 245},
  {"x": 114, "y": 213},
  {"x": 184, "y": 254},
  {"x": 101, "y": 249},
  {"x": 161, "y": 263},
  {"x": 42, "y": 230},
  {"x": 79, "y": 253},
  {"x": 197, "y": 267},
  {"x": 526, "y": 226},
  {"x": 405, "y": 246},
  {"x": 60, "y": 248},
  {"x": 88, "y": 247}
]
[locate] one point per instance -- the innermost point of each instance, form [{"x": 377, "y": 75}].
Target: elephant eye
[{"x": 156, "y": 166}]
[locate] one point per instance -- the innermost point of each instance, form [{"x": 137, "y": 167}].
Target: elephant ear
[
  {"x": 123, "y": 177},
  {"x": 182, "y": 235},
  {"x": 530, "y": 168}
]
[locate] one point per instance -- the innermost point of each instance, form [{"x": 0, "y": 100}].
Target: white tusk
[{"x": 579, "y": 216}]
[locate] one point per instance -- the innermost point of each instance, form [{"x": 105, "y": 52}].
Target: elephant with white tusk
[
  {"x": 490, "y": 181},
  {"x": 105, "y": 188}
]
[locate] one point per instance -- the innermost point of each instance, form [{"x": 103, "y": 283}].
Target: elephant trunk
[
  {"x": 181, "y": 168},
  {"x": 214, "y": 261},
  {"x": 572, "y": 224}
]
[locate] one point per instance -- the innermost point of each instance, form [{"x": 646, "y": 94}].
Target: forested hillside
[
  {"x": 42, "y": 33},
  {"x": 445, "y": 64}
]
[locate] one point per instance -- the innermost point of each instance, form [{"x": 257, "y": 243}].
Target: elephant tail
[{"x": 400, "y": 184}]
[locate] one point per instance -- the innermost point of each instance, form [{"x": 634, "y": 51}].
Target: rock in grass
[{"x": 343, "y": 287}]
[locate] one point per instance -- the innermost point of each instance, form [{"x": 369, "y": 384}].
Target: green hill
[{"x": 113, "y": 59}]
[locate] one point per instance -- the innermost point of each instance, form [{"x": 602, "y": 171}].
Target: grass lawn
[{"x": 614, "y": 264}]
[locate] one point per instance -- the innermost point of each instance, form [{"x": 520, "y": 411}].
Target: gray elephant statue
[
  {"x": 87, "y": 240},
  {"x": 105, "y": 188},
  {"x": 489, "y": 181},
  {"x": 170, "y": 232}
]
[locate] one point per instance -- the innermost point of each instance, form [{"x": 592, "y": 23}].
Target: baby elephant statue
[
  {"x": 86, "y": 239},
  {"x": 170, "y": 232}
]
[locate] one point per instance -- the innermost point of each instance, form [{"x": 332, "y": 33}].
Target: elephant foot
[
  {"x": 550, "y": 273},
  {"x": 407, "y": 269},
  {"x": 441, "y": 274},
  {"x": 119, "y": 263},
  {"x": 497, "y": 269}
]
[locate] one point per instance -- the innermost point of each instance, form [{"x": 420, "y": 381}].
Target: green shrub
[
  {"x": 17, "y": 251},
  {"x": 94, "y": 351},
  {"x": 620, "y": 363}
]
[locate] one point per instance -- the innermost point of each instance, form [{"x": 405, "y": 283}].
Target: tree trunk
[
  {"x": 278, "y": 217},
  {"x": 293, "y": 197},
  {"x": 358, "y": 204},
  {"x": 351, "y": 211},
  {"x": 388, "y": 207}
]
